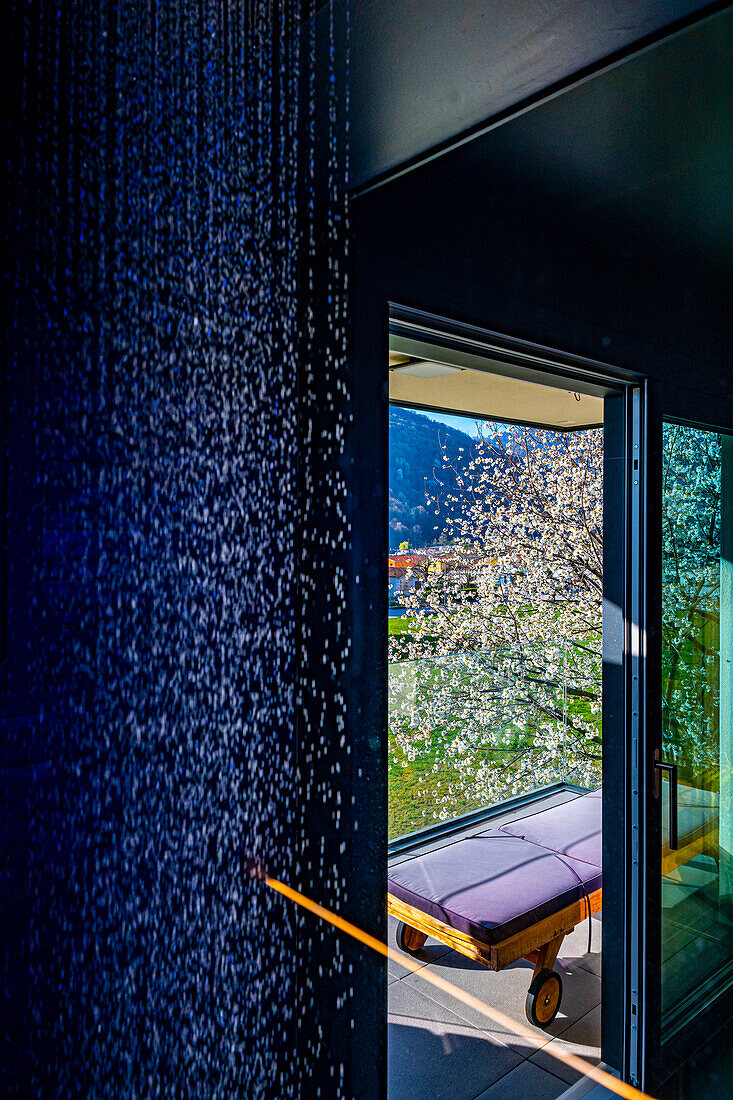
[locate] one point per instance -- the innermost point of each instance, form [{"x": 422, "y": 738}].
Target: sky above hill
[{"x": 465, "y": 424}]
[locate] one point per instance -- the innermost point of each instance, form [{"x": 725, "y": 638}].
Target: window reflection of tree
[{"x": 691, "y": 595}]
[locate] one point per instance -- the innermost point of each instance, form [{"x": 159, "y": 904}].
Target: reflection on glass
[{"x": 697, "y": 879}]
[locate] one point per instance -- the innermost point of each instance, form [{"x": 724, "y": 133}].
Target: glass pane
[
  {"x": 495, "y": 584},
  {"x": 697, "y": 877},
  {"x": 465, "y": 732}
]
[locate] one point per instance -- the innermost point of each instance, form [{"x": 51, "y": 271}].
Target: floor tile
[
  {"x": 526, "y": 1082},
  {"x": 575, "y": 946},
  {"x": 443, "y": 1061},
  {"x": 581, "y": 993},
  {"x": 507, "y": 991},
  {"x": 394, "y": 970},
  {"x": 432, "y": 950},
  {"x": 406, "y": 1002},
  {"x": 582, "y": 1038}
]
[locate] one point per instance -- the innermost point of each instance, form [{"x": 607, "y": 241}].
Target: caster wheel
[
  {"x": 409, "y": 939},
  {"x": 543, "y": 998}
]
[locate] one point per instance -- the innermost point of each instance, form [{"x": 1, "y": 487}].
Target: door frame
[
  {"x": 625, "y": 653},
  {"x": 663, "y": 1063}
]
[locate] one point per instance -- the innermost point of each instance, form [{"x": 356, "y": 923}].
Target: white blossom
[{"x": 503, "y": 660}]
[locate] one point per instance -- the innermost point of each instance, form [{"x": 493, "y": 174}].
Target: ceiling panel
[
  {"x": 490, "y": 396},
  {"x": 423, "y": 71},
  {"x": 647, "y": 145}
]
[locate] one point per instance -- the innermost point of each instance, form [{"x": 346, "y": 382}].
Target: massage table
[{"x": 514, "y": 892}]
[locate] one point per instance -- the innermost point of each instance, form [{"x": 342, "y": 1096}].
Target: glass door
[{"x": 694, "y": 769}]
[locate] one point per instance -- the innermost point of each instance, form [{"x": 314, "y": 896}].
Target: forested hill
[{"x": 415, "y": 461}]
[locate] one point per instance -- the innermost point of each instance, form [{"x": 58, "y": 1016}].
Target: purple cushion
[
  {"x": 573, "y": 829},
  {"x": 493, "y": 885}
]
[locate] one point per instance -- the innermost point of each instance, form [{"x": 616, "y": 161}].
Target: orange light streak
[{"x": 573, "y": 1060}]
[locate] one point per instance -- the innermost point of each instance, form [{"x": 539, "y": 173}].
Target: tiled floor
[{"x": 441, "y": 1050}]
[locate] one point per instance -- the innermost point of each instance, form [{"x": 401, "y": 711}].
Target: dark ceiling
[
  {"x": 647, "y": 144},
  {"x": 421, "y": 72},
  {"x": 642, "y": 151}
]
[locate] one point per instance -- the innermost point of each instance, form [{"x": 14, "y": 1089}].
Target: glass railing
[{"x": 468, "y": 730}]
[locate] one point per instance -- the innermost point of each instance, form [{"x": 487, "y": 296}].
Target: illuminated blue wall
[{"x": 176, "y": 396}]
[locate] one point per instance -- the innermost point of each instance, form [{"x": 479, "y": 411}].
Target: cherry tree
[{"x": 499, "y": 678}]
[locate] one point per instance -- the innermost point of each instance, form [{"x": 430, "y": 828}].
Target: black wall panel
[{"x": 479, "y": 238}]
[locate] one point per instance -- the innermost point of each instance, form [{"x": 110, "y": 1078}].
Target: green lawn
[
  {"x": 399, "y": 624},
  {"x": 414, "y": 791}
]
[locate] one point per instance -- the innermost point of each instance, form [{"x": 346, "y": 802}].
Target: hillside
[{"x": 415, "y": 465}]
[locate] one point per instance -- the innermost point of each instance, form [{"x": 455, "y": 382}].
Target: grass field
[
  {"x": 414, "y": 792},
  {"x": 399, "y": 625}
]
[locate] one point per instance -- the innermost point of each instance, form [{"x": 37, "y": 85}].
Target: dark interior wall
[
  {"x": 543, "y": 272},
  {"x": 470, "y": 238},
  {"x": 601, "y": 217}
]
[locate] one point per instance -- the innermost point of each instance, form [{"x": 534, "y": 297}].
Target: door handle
[{"x": 671, "y": 770}]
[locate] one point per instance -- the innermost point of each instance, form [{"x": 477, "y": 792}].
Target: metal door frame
[{"x": 624, "y": 1041}]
